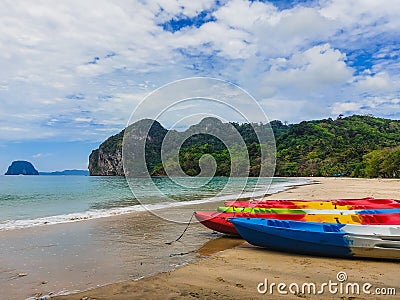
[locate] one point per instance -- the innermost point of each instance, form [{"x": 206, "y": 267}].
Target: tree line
[{"x": 354, "y": 146}]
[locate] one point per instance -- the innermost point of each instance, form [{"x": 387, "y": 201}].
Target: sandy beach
[{"x": 232, "y": 269}]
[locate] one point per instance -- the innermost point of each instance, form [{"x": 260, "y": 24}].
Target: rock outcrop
[
  {"x": 209, "y": 132},
  {"x": 21, "y": 167},
  {"x": 107, "y": 159}
]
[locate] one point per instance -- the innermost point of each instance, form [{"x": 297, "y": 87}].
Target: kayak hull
[
  {"x": 220, "y": 221},
  {"x": 306, "y": 211},
  {"x": 324, "y": 239},
  {"x": 349, "y": 204}
]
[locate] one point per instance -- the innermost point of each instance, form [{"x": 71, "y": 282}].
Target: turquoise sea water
[
  {"x": 82, "y": 255},
  {"x": 27, "y": 201}
]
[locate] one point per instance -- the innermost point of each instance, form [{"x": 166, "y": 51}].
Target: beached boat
[
  {"x": 326, "y": 239},
  {"x": 233, "y": 202},
  {"x": 220, "y": 221},
  {"x": 262, "y": 210},
  {"x": 364, "y": 203},
  {"x": 306, "y": 210},
  {"x": 348, "y": 200}
]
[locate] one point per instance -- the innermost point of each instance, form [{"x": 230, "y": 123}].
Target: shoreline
[
  {"x": 76, "y": 256},
  {"x": 121, "y": 211},
  {"x": 234, "y": 273}
]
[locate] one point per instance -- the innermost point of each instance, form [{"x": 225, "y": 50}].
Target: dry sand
[{"x": 235, "y": 273}]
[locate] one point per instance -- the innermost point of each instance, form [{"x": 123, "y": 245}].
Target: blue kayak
[
  {"x": 378, "y": 211},
  {"x": 326, "y": 239}
]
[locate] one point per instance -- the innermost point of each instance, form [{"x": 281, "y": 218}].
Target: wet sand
[
  {"x": 235, "y": 273},
  {"x": 76, "y": 256}
]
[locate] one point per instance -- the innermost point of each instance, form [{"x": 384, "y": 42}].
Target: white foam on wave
[{"x": 103, "y": 213}]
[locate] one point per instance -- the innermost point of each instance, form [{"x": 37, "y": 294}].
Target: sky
[{"x": 73, "y": 71}]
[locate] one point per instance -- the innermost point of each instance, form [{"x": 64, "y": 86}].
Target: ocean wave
[{"x": 103, "y": 213}]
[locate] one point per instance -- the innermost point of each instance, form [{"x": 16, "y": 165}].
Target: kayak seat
[
  {"x": 278, "y": 223},
  {"x": 331, "y": 228}
]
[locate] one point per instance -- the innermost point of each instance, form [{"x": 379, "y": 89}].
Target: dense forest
[{"x": 356, "y": 146}]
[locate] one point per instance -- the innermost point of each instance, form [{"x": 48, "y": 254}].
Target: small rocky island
[{"x": 21, "y": 167}]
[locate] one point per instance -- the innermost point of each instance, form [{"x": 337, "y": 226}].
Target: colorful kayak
[
  {"x": 230, "y": 202},
  {"x": 365, "y": 203},
  {"x": 220, "y": 221},
  {"x": 327, "y": 239},
  {"x": 305, "y": 211},
  {"x": 261, "y": 210},
  {"x": 364, "y": 200}
]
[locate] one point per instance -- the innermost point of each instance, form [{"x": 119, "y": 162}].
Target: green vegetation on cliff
[
  {"x": 357, "y": 146},
  {"x": 106, "y": 160},
  {"x": 335, "y": 147}
]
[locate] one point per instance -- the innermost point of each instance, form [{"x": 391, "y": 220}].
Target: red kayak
[
  {"x": 218, "y": 221},
  {"x": 305, "y": 200},
  {"x": 364, "y": 203}
]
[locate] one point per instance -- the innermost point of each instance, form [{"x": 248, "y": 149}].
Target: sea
[
  {"x": 27, "y": 201},
  {"x": 65, "y": 234}
]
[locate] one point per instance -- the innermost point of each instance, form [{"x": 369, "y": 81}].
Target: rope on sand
[{"x": 187, "y": 226}]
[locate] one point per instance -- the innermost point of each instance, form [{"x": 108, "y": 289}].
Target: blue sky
[{"x": 73, "y": 71}]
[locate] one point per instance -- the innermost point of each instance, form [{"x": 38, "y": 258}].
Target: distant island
[
  {"x": 21, "y": 167},
  {"x": 354, "y": 146},
  {"x": 67, "y": 173}
]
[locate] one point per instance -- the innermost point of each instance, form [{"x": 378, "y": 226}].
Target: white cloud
[
  {"x": 245, "y": 15},
  {"x": 386, "y": 105},
  {"x": 319, "y": 67},
  {"x": 361, "y": 11},
  {"x": 345, "y": 107},
  {"x": 172, "y": 8},
  {"x": 42, "y": 155},
  {"x": 77, "y": 69},
  {"x": 380, "y": 82}
]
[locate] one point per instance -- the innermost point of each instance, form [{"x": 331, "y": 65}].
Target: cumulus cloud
[
  {"x": 42, "y": 155},
  {"x": 377, "y": 83},
  {"x": 345, "y": 107},
  {"x": 75, "y": 70},
  {"x": 369, "y": 105},
  {"x": 319, "y": 67}
]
